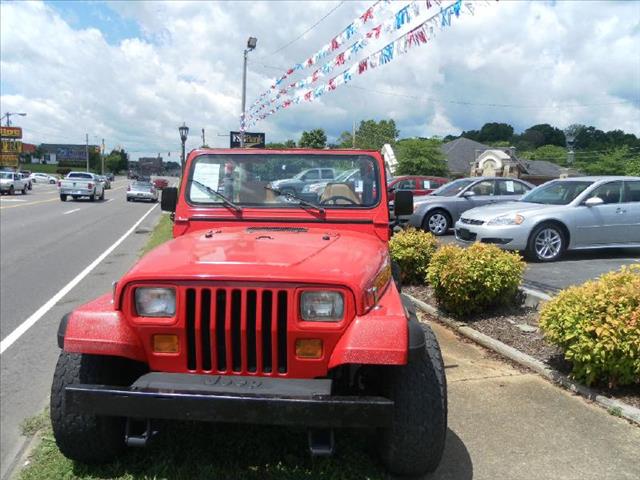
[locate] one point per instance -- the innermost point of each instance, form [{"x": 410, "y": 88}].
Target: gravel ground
[{"x": 517, "y": 326}]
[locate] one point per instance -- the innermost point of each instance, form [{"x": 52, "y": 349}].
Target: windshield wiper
[
  {"x": 224, "y": 199},
  {"x": 301, "y": 201}
]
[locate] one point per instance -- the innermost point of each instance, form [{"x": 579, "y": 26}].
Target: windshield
[
  {"x": 276, "y": 180},
  {"x": 452, "y": 188},
  {"x": 556, "y": 193},
  {"x": 79, "y": 175},
  {"x": 6, "y": 175}
]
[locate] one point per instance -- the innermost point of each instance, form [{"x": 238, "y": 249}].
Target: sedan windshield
[
  {"x": 556, "y": 193},
  {"x": 283, "y": 180},
  {"x": 452, "y": 188},
  {"x": 6, "y": 175}
]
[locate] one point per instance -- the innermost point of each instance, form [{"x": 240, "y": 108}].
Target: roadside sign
[
  {"x": 9, "y": 160},
  {"x": 11, "y": 146},
  {"x": 251, "y": 140},
  {"x": 11, "y": 132}
]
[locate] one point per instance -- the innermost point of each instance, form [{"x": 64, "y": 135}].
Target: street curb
[
  {"x": 20, "y": 462},
  {"x": 619, "y": 408}
]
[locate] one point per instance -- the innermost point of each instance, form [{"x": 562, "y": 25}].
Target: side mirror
[
  {"x": 403, "y": 203},
  {"x": 169, "y": 199},
  {"x": 593, "y": 201},
  {"x": 469, "y": 193}
]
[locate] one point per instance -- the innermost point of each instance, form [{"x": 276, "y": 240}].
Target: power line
[
  {"x": 307, "y": 30},
  {"x": 500, "y": 105}
]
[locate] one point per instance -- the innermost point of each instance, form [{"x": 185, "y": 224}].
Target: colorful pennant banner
[
  {"x": 420, "y": 35},
  {"x": 402, "y": 18}
]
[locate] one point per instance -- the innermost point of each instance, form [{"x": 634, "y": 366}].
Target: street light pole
[
  {"x": 8, "y": 117},
  {"x": 86, "y": 149},
  {"x": 184, "y": 131},
  {"x": 251, "y": 44}
]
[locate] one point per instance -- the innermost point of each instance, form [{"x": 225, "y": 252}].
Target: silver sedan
[
  {"x": 566, "y": 214},
  {"x": 142, "y": 191}
]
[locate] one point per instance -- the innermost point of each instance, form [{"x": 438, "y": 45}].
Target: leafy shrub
[
  {"x": 469, "y": 280},
  {"x": 597, "y": 324},
  {"x": 63, "y": 171},
  {"x": 412, "y": 250}
]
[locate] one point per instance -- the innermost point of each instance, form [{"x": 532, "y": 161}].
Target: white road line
[
  {"x": 110, "y": 200},
  {"x": 71, "y": 211},
  {"x": 30, "y": 322},
  {"x": 13, "y": 200}
]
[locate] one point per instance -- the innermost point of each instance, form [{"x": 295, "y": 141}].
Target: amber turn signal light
[
  {"x": 308, "y": 348},
  {"x": 166, "y": 344}
]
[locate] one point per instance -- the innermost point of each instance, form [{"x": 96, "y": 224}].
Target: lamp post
[
  {"x": 251, "y": 44},
  {"x": 184, "y": 131},
  {"x": 570, "y": 138},
  {"x": 7, "y": 115}
]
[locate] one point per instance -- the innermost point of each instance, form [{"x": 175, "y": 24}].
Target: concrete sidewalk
[{"x": 506, "y": 424}]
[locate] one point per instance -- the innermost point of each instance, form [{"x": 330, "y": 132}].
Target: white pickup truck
[
  {"x": 11, "y": 182},
  {"x": 81, "y": 184}
]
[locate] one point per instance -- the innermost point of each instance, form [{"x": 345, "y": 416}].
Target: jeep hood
[{"x": 266, "y": 254}]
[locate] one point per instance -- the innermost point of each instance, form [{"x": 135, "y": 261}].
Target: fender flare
[{"x": 416, "y": 333}]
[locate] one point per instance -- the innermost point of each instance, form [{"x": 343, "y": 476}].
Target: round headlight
[{"x": 155, "y": 302}]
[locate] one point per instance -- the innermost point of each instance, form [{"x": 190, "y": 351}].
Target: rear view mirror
[
  {"x": 593, "y": 201},
  {"x": 403, "y": 203},
  {"x": 169, "y": 199}
]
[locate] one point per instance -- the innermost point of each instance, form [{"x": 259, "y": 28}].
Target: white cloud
[{"x": 541, "y": 58}]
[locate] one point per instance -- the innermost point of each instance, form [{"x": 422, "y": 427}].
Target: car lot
[{"x": 46, "y": 245}]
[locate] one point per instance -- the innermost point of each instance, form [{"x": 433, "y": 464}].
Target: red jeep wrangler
[{"x": 267, "y": 307}]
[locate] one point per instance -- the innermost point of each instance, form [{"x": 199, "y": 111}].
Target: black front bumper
[{"x": 235, "y": 399}]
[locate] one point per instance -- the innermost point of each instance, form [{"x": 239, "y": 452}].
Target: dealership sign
[
  {"x": 10, "y": 132},
  {"x": 251, "y": 140}
]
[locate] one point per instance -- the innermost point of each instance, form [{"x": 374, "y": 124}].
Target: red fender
[
  {"x": 97, "y": 328},
  {"x": 381, "y": 337}
]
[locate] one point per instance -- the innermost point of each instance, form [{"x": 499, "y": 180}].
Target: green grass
[
  {"x": 37, "y": 167},
  {"x": 190, "y": 450},
  {"x": 32, "y": 425},
  {"x": 160, "y": 234}
]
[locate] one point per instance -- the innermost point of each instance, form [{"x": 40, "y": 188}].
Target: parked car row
[{"x": 544, "y": 221}]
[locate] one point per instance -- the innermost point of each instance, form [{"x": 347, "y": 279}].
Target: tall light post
[
  {"x": 251, "y": 44},
  {"x": 7, "y": 115},
  {"x": 570, "y": 138},
  {"x": 184, "y": 131}
]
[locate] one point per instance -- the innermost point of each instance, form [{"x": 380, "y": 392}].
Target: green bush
[
  {"x": 412, "y": 250},
  {"x": 597, "y": 324},
  {"x": 469, "y": 280}
]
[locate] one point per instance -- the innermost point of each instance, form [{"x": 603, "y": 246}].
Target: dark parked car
[
  {"x": 440, "y": 210},
  {"x": 418, "y": 184}
]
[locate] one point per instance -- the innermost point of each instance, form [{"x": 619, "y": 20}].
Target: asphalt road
[
  {"x": 573, "y": 268},
  {"x": 44, "y": 245}
]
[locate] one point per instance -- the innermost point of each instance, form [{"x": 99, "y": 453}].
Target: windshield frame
[{"x": 380, "y": 180}]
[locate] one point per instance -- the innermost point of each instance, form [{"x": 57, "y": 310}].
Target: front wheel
[
  {"x": 80, "y": 437},
  {"x": 437, "y": 222},
  {"x": 546, "y": 243},
  {"x": 24, "y": 189},
  {"x": 414, "y": 443},
  {"x": 63, "y": 197},
  {"x": 102, "y": 196},
  {"x": 12, "y": 190}
]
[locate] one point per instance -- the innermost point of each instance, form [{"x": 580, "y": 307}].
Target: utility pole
[
  {"x": 86, "y": 149},
  {"x": 353, "y": 134},
  {"x": 102, "y": 156},
  {"x": 203, "y": 142},
  {"x": 251, "y": 44}
]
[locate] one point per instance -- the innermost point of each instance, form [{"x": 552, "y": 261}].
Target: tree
[
  {"x": 551, "y": 153},
  {"x": 345, "y": 140},
  {"x": 417, "y": 156},
  {"x": 494, "y": 132},
  {"x": 633, "y": 166},
  {"x": 117, "y": 161},
  {"x": 280, "y": 145},
  {"x": 613, "y": 162},
  {"x": 313, "y": 139},
  {"x": 544, "y": 134},
  {"x": 372, "y": 135}
]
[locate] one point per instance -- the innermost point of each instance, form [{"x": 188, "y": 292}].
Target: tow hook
[
  {"x": 132, "y": 435},
  {"x": 321, "y": 442}
]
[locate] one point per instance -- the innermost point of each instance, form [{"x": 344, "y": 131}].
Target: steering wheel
[{"x": 333, "y": 200}]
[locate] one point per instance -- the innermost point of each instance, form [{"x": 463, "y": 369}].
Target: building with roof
[{"x": 467, "y": 157}]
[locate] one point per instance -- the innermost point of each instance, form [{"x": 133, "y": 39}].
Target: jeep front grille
[{"x": 236, "y": 330}]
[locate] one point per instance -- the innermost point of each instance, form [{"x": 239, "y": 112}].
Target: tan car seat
[{"x": 339, "y": 190}]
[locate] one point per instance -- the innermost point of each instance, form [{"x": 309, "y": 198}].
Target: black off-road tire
[
  {"x": 88, "y": 439},
  {"x": 415, "y": 442}
]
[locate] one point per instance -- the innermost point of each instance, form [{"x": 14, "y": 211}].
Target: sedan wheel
[
  {"x": 437, "y": 223},
  {"x": 547, "y": 243}
]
